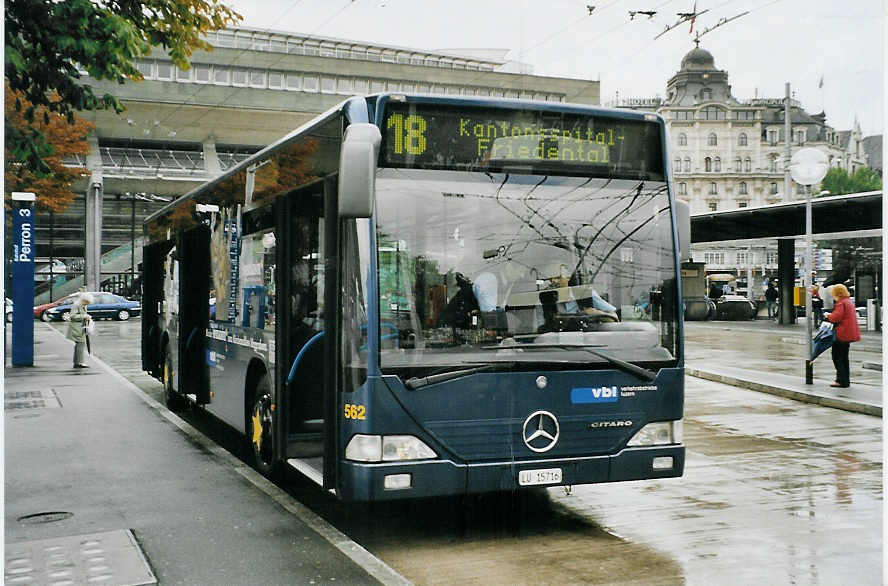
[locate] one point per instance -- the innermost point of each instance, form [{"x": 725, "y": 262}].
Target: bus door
[
  {"x": 301, "y": 336},
  {"x": 153, "y": 257},
  {"x": 194, "y": 295}
]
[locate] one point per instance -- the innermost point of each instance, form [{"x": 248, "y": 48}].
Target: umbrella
[{"x": 823, "y": 339}]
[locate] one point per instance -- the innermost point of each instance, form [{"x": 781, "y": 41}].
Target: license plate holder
[{"x": 539, "y": 476}]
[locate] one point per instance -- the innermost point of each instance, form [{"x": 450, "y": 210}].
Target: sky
[{"x": 797, "y": 41}]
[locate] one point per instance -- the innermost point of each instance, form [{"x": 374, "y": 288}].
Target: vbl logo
[{"x": 595, "y": 395}]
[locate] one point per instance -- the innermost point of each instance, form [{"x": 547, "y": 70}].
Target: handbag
[{"x": 823, "y": 339}]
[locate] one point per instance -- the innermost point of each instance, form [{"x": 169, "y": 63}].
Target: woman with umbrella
[
  {"x": 78, "y": 328},
  {"x": 844, "y": 316}
]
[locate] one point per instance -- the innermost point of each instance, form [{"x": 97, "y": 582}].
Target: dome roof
[{"x": 698, "y": 58}]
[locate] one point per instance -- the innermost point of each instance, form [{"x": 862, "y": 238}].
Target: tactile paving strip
[{"x": 112, "y": 557}]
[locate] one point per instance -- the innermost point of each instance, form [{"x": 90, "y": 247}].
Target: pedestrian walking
[
  {"x": 816, "y": 305},
  {"x": 771, "y": 296},
  {"x": 78, "y": 328},
  {"x": 844, "y": 316}
]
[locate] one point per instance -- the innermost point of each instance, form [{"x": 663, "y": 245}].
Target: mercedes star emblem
[{"x": 540, "y": 431}]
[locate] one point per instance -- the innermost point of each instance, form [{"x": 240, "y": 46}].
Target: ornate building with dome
[{"x": 730, "y": 153}]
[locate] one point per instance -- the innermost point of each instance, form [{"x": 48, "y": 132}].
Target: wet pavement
[
  {"x": 775, "y": 491},
  {"x": 768, "y": 357}
]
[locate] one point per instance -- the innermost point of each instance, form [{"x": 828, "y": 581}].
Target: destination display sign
[{"x": 433, "y": 136}]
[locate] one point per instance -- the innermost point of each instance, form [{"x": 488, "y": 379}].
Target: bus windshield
[{"x": 479, "y": 267}]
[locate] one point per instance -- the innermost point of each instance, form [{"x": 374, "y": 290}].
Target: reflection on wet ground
[{"x": 774, "y": 492}]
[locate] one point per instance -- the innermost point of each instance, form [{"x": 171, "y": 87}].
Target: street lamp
[{"x": 808, "y": 166}]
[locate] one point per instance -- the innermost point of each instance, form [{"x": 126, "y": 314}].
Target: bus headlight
[
  {"x": 655, "y": 434},
  {"x": 364, "y": 448},
  {"x": 405, "y": 447},
  {"x": 389, "y": 448}
]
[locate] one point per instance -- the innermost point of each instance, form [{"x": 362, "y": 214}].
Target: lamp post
[{"x": 808, "y": 166}]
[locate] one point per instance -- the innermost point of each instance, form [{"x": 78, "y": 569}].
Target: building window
[
  {"x": 310, "y": 83},
  {"x": 202, "y": 73},
  {"x": 682, "y": 188},
  {"x": 183, "y": 75},
  {"x": 773, "y": 188},
  {"x": 146, "y": 68},
  {"x": 682, "y": 115},
  {"x": 362, "y": 86},
  {"x": 772, "y": 164},
  {"x": 677, "y": 164},
  {"x": 717, "y": 164},
  {"x": 712, "y": 139},
  {"x": 744, "y": 115},
  {"x": 770, "y": 258},
  {"x": 344, "y": 85},
  {"x": 707, "y": 94},
  {"x": 714, "y": 258},
  {"x": 376, "y": 86},
  {"x": 328, "y": 85},
  {"x": 712, "y": 113},
  {"x": 682, "y": 139},
  {"x": 741, "y": 140},
  {"x": 800, "y": 137},
  {"x": 742, "y": 188},
  {"x": 707, "y": 164},
  {"x": 713, "y": 188},
  {"x": 713, "y": 206},
  {"x": 687, "y": 165},
  {"x": 772, "y": 137},
  {"x": 221, "y": 75},
  {"x": 743, "y": 258},
  {"x": 738, "y": 164},
  {"x": 294, "y": 81},
  {"x": 164, "y": 71},
  {"x": 747, "y": 165},
  {"x": 257, "y": 78},
  {"x": 275, "y": 80},
  {"x": 239, "y": 77}
]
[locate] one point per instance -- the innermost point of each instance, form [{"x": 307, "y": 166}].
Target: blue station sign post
[{"x": 23, "y": 246}]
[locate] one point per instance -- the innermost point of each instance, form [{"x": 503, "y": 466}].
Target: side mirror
[
  {"x": 357, "y": 171},
  {"x": 683, "y": 226}
]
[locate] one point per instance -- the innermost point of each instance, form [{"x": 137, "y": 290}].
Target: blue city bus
[{"x": 416, "y": 295}]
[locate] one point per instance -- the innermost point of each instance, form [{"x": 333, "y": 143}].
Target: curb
[{"x": 826, "y": 401}]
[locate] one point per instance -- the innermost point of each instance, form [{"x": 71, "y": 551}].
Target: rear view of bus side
[{"x": 415, "y": 295}]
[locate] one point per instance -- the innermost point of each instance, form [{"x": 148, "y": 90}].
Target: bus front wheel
[{"x": 260, "y": 429}]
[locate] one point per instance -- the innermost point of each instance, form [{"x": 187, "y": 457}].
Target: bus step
[{"x": 311, "y": 468}]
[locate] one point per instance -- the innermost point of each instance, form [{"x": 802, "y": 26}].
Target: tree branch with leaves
[{"x": 50, "y": 45}]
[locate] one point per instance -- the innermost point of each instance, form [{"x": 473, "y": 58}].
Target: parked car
[
  {"x": 40, "y": 311},
  {"x": 105, "y": 305},
  {"x": 8, "y": 310}
]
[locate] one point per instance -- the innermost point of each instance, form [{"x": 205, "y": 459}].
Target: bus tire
[
  {"x": 173, "y": 400},
  {"x": 260, "y": 429}
]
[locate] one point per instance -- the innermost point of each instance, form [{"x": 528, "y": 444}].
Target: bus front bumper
[{"x": 390, "y": 481}]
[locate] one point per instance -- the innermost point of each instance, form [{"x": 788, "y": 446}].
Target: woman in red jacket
[{"x": 844, "y": 316}]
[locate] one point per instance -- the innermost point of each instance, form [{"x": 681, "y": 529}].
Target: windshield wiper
[
  {"x": 421, "y": 381},
  {"x": 642, "y": 373}
]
